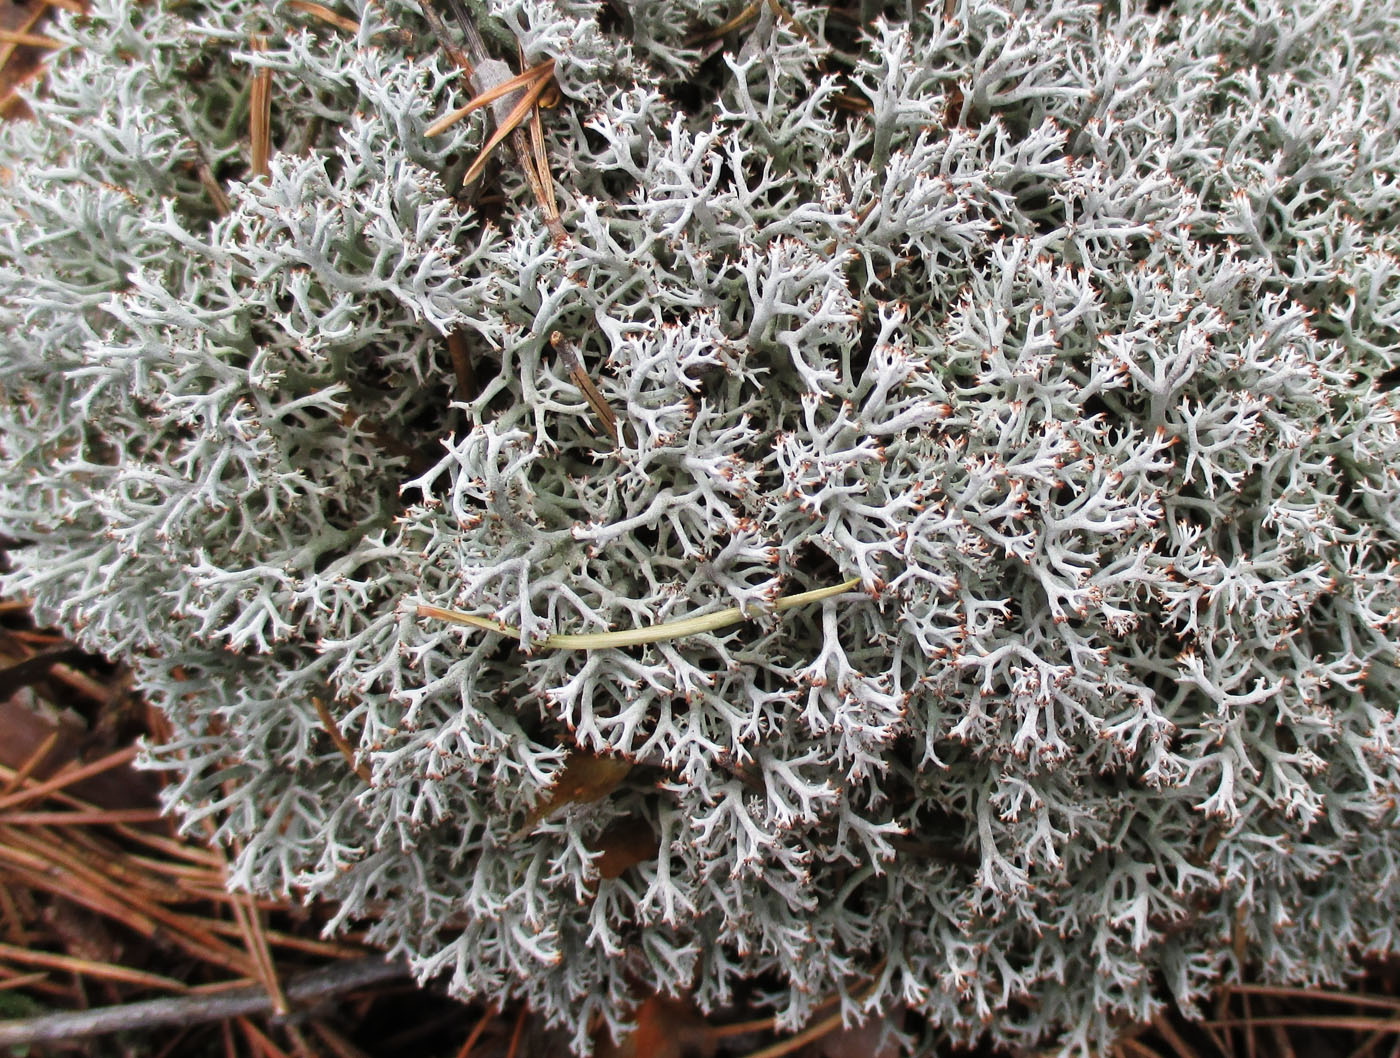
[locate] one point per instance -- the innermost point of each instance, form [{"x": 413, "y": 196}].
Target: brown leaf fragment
[
  {"x": 625, "y": 844},
  {"x": 585, "y": 777},
  {"x": 666, "y": 1027},
  {"x": 857, "y": 1041}
]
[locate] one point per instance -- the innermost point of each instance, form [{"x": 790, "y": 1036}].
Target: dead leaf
[
  {"x": 858, "y": 1041},
  {"x": 625, "y": 844},
  {"x": 666, "y": 1028},
  {"x": 585, "y": 777}
]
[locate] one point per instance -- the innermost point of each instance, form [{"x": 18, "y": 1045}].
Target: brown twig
[
  {"x": 601, "y": 408},
  {"x": 459, "y": 58},
  {"x": 210, "y": 183},
  {"x": 346, "y": 750},
  {"x": 462, "y": 369},
  {"x": 338, "y": 978}
]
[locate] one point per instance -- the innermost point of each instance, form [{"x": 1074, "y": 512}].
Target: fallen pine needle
[
  {"x": 1138, "y": 1048},
  {"x": 68, "y": 777},
  {"x": 477, "y": 1030},
  {"x": 106, "y": 971},
  {"x": 686, "y": 626},
  {"x": 260, "y": 113},
  {"x": 10, "y": 44},
  {"x": 20, "y": 777},
  {"x": 325, "y": 14},
  {"x": 1320, "y": 994},
  {"x": 1166, "y": 1030},
  {"x": 520, "y": 80},
  {"x": 79, "y": 818},
  {"x": 512, "y": 121},
  {"x": 519, "y": 1029},
  {"x": 1357, "y": 1023},
  {"x": 258, "y": 1040},
  {"x": 334, "y": 1041},
  {"x": 30, "y": 40},
  {"x": 792, "y": 1043},
  {"x": 22, "y": 981},
  {"x": 743, "y": 18},
  {"x": 233, "y": 984}
]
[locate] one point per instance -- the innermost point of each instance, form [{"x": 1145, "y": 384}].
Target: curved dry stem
[{"x": 629, "y": 637}]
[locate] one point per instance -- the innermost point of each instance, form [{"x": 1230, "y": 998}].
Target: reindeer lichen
[{"x": 1064, "y": 332}]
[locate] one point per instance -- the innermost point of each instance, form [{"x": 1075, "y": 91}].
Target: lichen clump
[{"x": 1068, "y": 329}]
